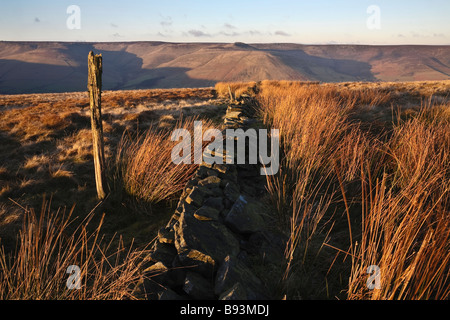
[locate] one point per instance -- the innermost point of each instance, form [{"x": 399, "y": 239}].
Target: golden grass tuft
[
  {"x": 223, "y": 89},
  {"x": 144, "y": 166},
  {"x": 406, "y": 229},
  {"x": 335, "y": 166},
  {"x": 49, "y": 243}
]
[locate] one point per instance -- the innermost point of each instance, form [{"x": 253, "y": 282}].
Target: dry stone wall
[{"x": 219, "y": 234}]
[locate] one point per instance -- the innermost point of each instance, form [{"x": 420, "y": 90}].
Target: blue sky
[{"x": 310, "y": 22}]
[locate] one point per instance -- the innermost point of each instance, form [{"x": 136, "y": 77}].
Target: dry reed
[
  {"x": 403, "y": 174},
  {"x": 49, "y": 243},
  {"x": 144, "y": 164}
]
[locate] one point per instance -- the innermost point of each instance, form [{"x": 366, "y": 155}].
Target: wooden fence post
[{"x": 95, "y": 100}]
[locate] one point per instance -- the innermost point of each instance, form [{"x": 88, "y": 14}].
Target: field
[{"x": 364, "y": 181}]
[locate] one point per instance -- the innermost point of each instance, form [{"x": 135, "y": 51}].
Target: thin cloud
[
  {"x": 167, "y": 21},
  {"x": 282, "y": 33},
  {"x": 427, "y": 35},
  {"x": 255, "y": 33},
  {"x": 198, "y": 33},
  {"x": 113, "y": 25},
  {"x": 229, "y": 26},
  {"x": 37, "y": 20},
  {"x": 230, "y": 34}
]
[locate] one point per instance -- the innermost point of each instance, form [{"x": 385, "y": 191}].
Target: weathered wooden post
[
  {"x": 95, "y": 100},
  {"x": 231, "y": 95}
]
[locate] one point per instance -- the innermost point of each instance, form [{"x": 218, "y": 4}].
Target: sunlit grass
[
  {"x": 335, "y": 165},
  {"x": 51, "y": 241}
]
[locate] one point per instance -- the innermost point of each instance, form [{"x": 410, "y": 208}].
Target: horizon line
[{"x": 235, "y": 42}]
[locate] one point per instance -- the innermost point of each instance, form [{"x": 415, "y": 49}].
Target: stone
[
  {"x": 233, "y": 271},
  {"x": 207, "y": 165},
  {"x": 235, "y": 109},
  {"x": 178, "y": 271},
  {"x": 236, "y": 292},
  {"x": 248, "y": 122},
  {"x": 217, "y": 192},
  {"x": 224, "y": 213},
  {"x": 197, "y": 261},
  {"x": 198, "y": 287},
  {"x": 214, "y": 202},
  {"x": 156, "y": 279},
  {"x": 222, "y": 168},
  {"x": 231, "y": 176},
  {"x": 207, "y": 214},
  {"x": 203, "y": 172},
  {"x": 208, "y": 237},
  {"x": 147, "y": 262},
  {"x": 233, "y": 115},
  {"x": 232, "y": 121},
  {"x": 227, "y": 203},
  {"x": 214, "y": 150},
  {"x": 211, "y": 182},
  {"x": 231, "y": 191},
  {"x": 243, "y": 257},
  {"x": 245, "y": 216},
  {"x": 173, "y": 219},
  {"x": 191, "y": 183},
  {"x": 185, "y": 207},
  {"x": 186, "y": 192},
  {"x": 166, "y": 235},
  {"x": 156, "y": 271},
  {"x": 163, "y": 252},
  {"x": 232, "y": 124},
  {"x": 213, "y": 156},
  {"x": 179, "y": 208},
  {"x": 197, "y": 195}
]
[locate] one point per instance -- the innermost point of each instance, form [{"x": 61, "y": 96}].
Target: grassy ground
[
  {"x": 46, "y": 155},
  {"x": 363, "y": 181},
  {"x": 46, "y": 142}
]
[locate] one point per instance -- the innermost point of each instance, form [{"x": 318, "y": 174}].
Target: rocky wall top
[{"x": 220, "y": 233}]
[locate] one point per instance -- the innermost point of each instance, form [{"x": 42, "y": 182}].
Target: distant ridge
[{"x": 35, "y": 67}]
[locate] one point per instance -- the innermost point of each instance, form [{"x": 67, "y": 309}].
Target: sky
[{"x": 376, "y": 22}]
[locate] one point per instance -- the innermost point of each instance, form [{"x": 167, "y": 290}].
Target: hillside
[{"x": 35, "y": 67}]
